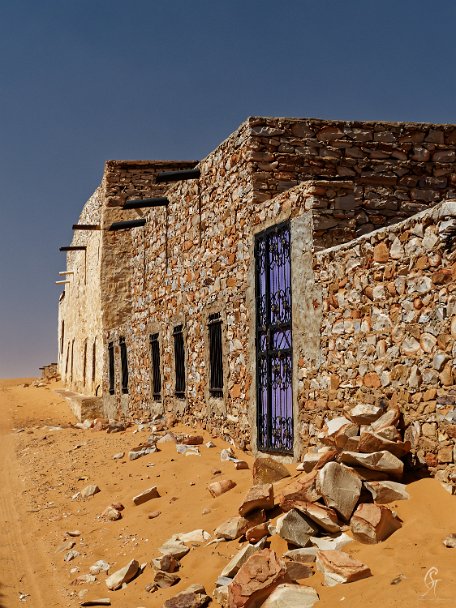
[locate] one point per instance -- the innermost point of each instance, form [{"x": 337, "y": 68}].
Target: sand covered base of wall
[{"x": 50, "y": 461}]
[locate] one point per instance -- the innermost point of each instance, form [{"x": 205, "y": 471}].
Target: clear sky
[{"x": 83, "y": 81}]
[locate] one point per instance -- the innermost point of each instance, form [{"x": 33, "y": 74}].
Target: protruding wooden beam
[
  {"x": 176, "y": 176},
  {"x": 61, "y": 282},
  {"x": 127, "y": 224},
  {"x": 73, "y": 248},
  {"x": 65, "y": 272},
  {"x": 157, "y": 201},
  {"x": 86, "y": 227}
]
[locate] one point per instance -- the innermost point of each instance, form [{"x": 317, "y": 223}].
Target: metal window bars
[
  {"x": 156, "y": 372},
  {"x": 124, "y": 364},
  {"x": 215, "y": 355},
  {"x": 179, "y": 361}
]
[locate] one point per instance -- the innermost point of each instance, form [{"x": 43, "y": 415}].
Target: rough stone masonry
[{"x": 371, "y": 274}]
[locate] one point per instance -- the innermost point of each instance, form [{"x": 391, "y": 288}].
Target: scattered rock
[
  {"x": 153, "y": 514},
  {"x": 142, "y": 450},
  {"x": 148, "y": 494},
  {"x": 175, "y": 548},
  {"x": 103, "y": 601},
  {"x": 111, "y": 514},
  {"x": 338, "y": 567},
  {"x": 325, "y": 517},
  {"x": 331, "y": 543},
  {"x": 237, "y": 526},
  {"x": 340, "y": 488},
  {"x": 73, "y": 533},
  {"x": 256, "y": 579},
  {"x": 187, "y": 450},
  {"x": 267, "y": 470},
  {"x": 240, "y": 558},
  {"x": 365, "y": 413},
  {"x": 71, "y": 555},
  {"x": 295, "y": 528},
  {"x": 256, "y": 533},
  {"x": 298, "y": 570},
  {"x": 372, "y": 523},
  {"x": 166, "y": 563},
  {"x": 450, "y": 541},
  {"x": 191, "y": 440},
  {"x": 99, "y": 566},
  {"x": 166, "y": 579},
  {"x": 217, "y": 488},
  {"x": 66, "y": 546},
  {"x": 258, "y": 497},
  {"x": 196, "y": 536},
  {"x": 305, "y": 555},
  {"x": 124, "y": 575},
  {"x": 84, "y": 579},
  {"x": 301, "y": 490},
  {"x": 89, "y": 491},
  {"x": 378, "y": 461},
  {"x": 387, "y": 491},
  {"x": 194, "y": 596},
  {"x": 292, "y": 596}
]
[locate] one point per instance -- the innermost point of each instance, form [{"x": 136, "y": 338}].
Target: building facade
[{"x": 302, "y": 266}]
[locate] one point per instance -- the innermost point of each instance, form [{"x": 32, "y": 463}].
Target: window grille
[
  {"x": 179, "y": 361},
  {"x": 111, "y": 368},
  {"x": 156, "y": 374},
  {"x": 124, "y": 364},
  {"x": 215, "y": 355}
]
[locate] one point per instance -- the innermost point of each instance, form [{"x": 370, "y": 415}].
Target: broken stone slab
[
  {"x": 187, "y": 450},
  {"x": 338, "y": 567},
  {"x": 66, "y": 546},
  {"x": 258, "y": 497},
  {"x": 90, "y": 490},
  {"x": 371, "y": 524},
  {"x": 175, "y": 548},
  {"x": 191, "y": 440},
  {"x": 237, "y": 526},
  {"x": 325, "y": 517},
  {"x": 124, "y": 575},
  {"x": 231, "y": 569},
  {"x": 289, "y": 595},
  {"x": 165, "y": 579},
  {"x": 267, "y": 470},
  {"x": 84, "y": 579},
  {"x": 167, "y": 438},
  {"x": 302, "y": 489},
  {"x": 195, "y": 536},
  {"x": 256, "y": 579},
  {"x": 71, "y": 555},
  {"x": 390, "y": 418},
  {"x": 239, "y": 465},
  {"x": 142, "y": 450},
  {"x": 295, "y": 528},
  {"x": 73, "y": 533},
  {"x": 345, "y": 434},
  {"x": 297, "y": 570},
  {"x": 102, "y": 601},
  {"x": 256, "y": 533},
  {"x": 340, "y": 488},
  {"x": 305, "y": 555},
  {"x": 217, "y": 488},
  {"x": 220, "y": 595},
  {"x": 376, "y": 461},
  {"x": 365, "y": 413},
  {"x": 166, "y": 563},
  {"x": 148, "y": 494},
  {"x": 370, "y": 442},
  {"x": 226, "y": 454},
  {"x": 387, "y": 491},
  {"x": 328, "y": 543},
  {"x": 194, "y": 596},
  {"x": 118, "y": 455},
  {"x": 333, "y": 425}
]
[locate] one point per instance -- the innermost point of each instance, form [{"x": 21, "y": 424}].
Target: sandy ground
[{"x": 42, "y": 468}]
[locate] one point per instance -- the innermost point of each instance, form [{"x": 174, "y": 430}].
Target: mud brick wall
[{"x": 387, "y": 332}]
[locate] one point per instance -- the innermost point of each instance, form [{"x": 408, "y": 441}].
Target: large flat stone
[
  {"x": 295, "y": 528},
  {"x": 340, "y": 488},
  {"x": 288, "y": 595}
]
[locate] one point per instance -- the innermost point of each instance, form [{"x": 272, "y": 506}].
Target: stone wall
[{"x": 388, "y": 322}]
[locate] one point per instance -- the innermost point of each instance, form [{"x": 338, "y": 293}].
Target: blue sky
[{"x": 83, "y": 81}]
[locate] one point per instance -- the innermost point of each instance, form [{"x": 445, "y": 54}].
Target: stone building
[{"x": 303, "y": 265}]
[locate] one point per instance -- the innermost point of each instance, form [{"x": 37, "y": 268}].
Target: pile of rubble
[{"x": 341, "y": 486}]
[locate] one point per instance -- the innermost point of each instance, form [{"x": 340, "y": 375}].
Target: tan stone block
[{"x": 381, "y": 253}]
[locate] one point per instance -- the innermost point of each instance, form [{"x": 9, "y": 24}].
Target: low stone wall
[{"x": 388, "y": 325}]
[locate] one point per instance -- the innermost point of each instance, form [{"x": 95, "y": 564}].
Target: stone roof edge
[
  {"x": 350, "y": 122},
  {"x": 439, "y": 211}
]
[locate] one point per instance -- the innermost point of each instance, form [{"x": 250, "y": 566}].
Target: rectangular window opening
[
  {"x": 124, "y": 364},
  {"x": 111, "y": 368},
  {"x": 179, "y": 361},
  {"x": 156, "y": 373},
  {"x": 215, "y": 355}
]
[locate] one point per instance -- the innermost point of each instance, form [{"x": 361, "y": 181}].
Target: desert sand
[{"x": 45, "y": 461}]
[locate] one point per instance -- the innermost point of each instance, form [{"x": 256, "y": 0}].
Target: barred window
[
  {"x": 179, "y": 361},
  {"x": 156, "y": 373},
  {"x": 215, "y": 355},
  {"x": 124, "y": 364},
  {"x": 111, "y": 368}
]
